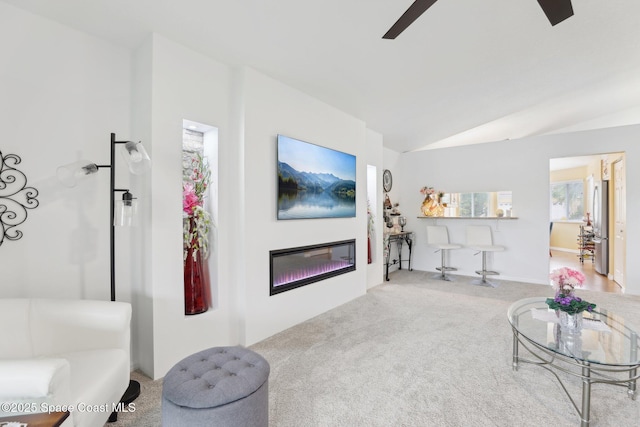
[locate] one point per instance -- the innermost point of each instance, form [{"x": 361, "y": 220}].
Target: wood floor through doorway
[{"x": 594, "y": 281}]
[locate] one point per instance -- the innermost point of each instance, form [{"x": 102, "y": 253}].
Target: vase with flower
[
  {"x": 567, "y": 305},
  {"x": 564, "y": 280},
  {"x": 196, "y": 223},
  {"x": 431, "y": 205}
]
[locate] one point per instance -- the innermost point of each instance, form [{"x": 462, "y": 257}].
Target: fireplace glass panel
[{"x": 295, "y": 267}]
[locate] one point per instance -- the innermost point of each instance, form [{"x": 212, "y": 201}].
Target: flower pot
[
  {"x": 570, "y": 322},
  {"x": 196, "y": 282},
  {"x": 432, "y": 207},
  {"x": 569, "y": 342}
]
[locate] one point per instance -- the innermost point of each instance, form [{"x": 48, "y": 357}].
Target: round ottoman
[{"x": 220, "y": 386}]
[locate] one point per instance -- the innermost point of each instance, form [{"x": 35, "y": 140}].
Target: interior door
[{"x": 620, "y": 216}]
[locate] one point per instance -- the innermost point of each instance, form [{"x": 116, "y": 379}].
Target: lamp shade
[
  {"x": 125, "y": 211},
  {"x": 136, "y": 157},
  {"x": 69, "y": 175}
]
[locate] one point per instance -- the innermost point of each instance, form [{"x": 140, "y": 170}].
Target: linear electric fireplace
[{"x": 295, "y": 267}]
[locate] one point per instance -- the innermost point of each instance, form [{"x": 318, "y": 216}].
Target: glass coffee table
[{"x": 604, "y": 351}]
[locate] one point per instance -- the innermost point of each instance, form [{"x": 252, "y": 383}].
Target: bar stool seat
[
  {"x": 479, "y": 239},
  {"x": 438, "y": 238}
]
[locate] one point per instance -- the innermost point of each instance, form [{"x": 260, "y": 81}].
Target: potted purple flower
[{"x": 567, "y": 305}]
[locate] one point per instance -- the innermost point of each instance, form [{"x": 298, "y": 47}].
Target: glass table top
[{"x": 604, "y": 339}]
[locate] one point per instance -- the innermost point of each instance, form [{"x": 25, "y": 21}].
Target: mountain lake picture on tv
[{"x": 314, "y": 181}]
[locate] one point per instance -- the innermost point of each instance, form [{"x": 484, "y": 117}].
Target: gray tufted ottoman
[{"x": 220, "y": 386}]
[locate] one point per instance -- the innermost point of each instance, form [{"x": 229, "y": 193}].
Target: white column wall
[
  {"x": 375, "y": 158},
  {"x": 142, "y": 328},
  {"x": 391, "y": 161},
  {"x": 272, "y": 108},
  {"x": 184, "y": 85},
  {"x": 249, "y": 110}
]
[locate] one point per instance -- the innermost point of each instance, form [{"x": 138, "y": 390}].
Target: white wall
[
  {"x": 375, "y": 195},
  {"x": 142, "y": 328},
  {"x": 184, "y": 85},
  {"x": 249, "y": 110},
  {"x": 69, "y": 91},
  {"x": 391, "y": 161},
  {"x": 272, "y": 108},
  {"x": 523, "y": 167},
  {"x": 63, "y": 93}
]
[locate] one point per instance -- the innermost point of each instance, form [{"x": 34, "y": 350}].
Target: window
[
  {"x": 567, "y": 200},
  {"x": 474, "y": 204}
]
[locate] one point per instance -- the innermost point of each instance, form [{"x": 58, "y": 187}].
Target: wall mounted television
[{"x": 314, "y": 181}]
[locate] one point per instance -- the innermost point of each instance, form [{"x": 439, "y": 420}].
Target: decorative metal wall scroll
[{"x": 15, "y": 198}]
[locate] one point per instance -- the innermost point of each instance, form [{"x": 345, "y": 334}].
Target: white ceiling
[
  {"x": 467, "y": 71},
  {"x": 572, "y": 162}
]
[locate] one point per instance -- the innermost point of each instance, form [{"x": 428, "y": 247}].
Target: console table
[
  {"x": 399, "y": 238},
  {"x": 604, "y": 351}
]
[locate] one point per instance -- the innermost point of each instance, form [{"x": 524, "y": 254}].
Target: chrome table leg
[
  {"x": 514, "y": 363},
  {"x": 586, "y": 395},
  {"x": 634, "y": 371}
]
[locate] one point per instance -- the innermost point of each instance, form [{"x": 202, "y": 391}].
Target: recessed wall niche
[{"x": 200, "y": 215}]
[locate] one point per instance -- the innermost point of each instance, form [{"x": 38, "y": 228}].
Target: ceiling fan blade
[
  {"x": 556, "y": 10},
  {"x": 415, "y": 10}
]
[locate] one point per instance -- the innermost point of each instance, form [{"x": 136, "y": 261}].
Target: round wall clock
[{"x": 387, "y": 180}]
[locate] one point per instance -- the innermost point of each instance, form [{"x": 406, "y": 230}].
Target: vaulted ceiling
[{"x": 466, "y": 71}]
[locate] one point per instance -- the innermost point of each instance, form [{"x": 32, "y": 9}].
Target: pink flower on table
[
  {"x": 189, "y": 198},
  {"x": 565, "y": 280}
]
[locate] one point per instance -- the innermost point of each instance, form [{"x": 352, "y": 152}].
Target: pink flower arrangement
[
  {"x": 427, "y": 191},
  {"x": 430, "y": 192},
  {"x": 189, "y": 198},
  {"x": 564, "y": 280},
  {"x": 196, "y": 221}
]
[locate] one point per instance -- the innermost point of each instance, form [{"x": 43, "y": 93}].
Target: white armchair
[{"x": 56, "y": 352}]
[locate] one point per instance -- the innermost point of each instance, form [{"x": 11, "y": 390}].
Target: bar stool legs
[
  {"x": 484, "y": 273},
  {"x": 443, "y": 268},
  {"x": 479, "y": 238},
  {"x": 438, "y": 238}
]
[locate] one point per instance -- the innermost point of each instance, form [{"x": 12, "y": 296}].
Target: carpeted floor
[{"x": 418, "y": 352}]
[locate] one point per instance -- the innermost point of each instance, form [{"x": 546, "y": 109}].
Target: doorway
[
  {"x": 584, "y": 208},
  {"x": 619, "y": 222}
]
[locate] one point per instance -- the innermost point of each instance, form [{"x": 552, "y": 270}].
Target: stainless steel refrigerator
[{"x": 600, "y": 211}]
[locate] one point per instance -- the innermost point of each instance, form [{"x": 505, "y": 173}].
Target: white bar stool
[
  {"x": 438, "y": 238},
  {"x": 479, "y": 238}
]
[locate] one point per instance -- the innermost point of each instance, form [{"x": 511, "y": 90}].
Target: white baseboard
[{"x": 571, "y": 251}]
